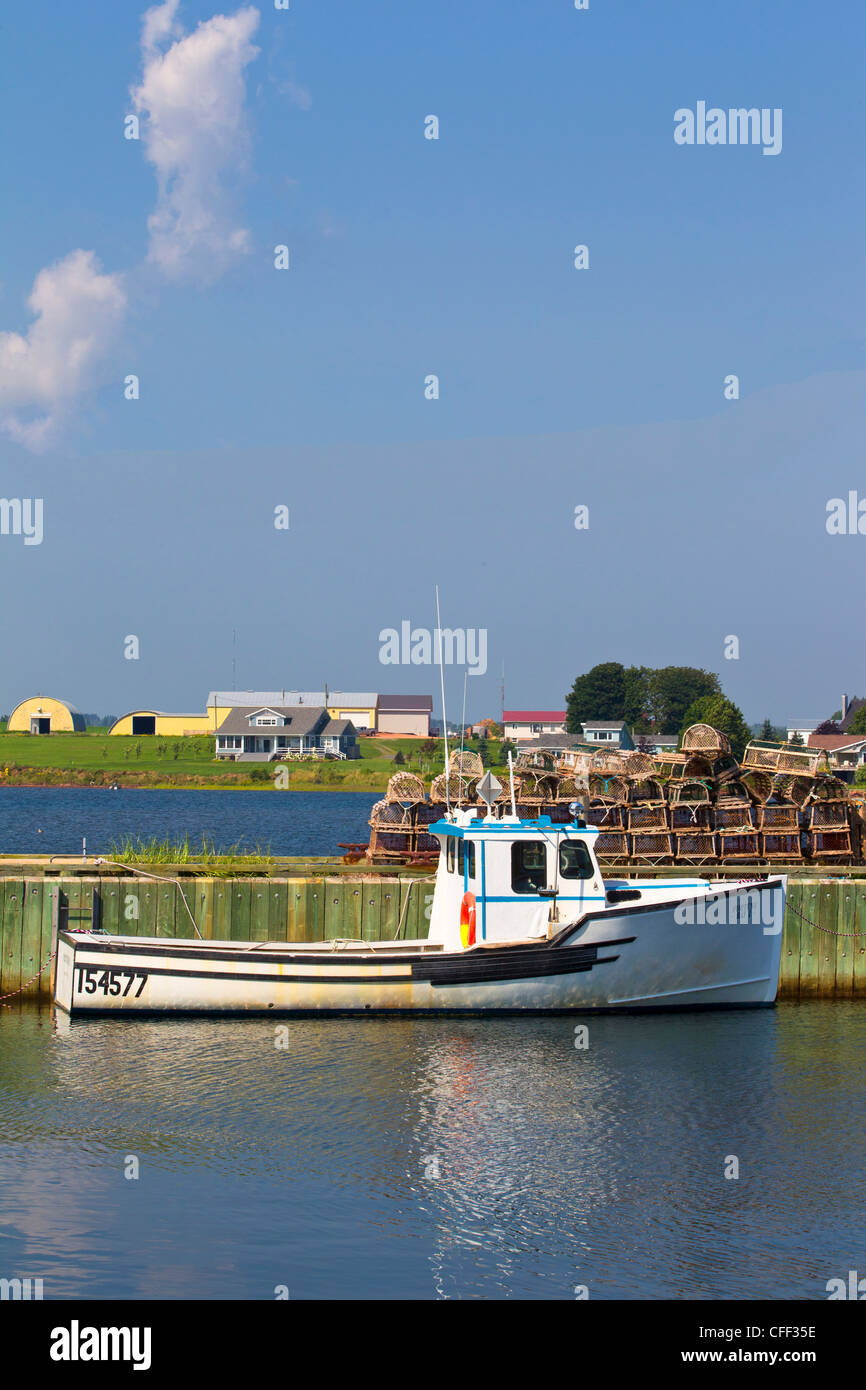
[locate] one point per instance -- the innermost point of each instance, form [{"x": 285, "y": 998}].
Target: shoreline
[{"x": 177, "y": 787}]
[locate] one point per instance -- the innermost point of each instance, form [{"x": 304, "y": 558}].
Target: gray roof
[
  {"x": 602, "y": 723},
  {"x": 301, "y": 720},
  {"x": 284, "y": 698},
  {"x": 853, "y": 706},
  {"x": 406, "y": 703},
  {"x": 337, "y": 726},
  {"x": 555, "y": 741}
]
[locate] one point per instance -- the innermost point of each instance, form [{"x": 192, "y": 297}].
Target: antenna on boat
[
  {"x": 463, "y": 731},
  {"x": 511, "y": 779},
  {"x": 444, "y": 717}
]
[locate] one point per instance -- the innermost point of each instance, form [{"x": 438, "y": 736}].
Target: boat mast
[{"x": 444, "y": 717}]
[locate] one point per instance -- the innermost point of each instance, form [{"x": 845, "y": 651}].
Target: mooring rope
[{"x": 115, "y": 863}]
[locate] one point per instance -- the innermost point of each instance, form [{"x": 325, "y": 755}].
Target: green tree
[
  {"x": 673, "y": 689},
  {"x": 598, "y": 694},
  {"x": 399, "y": 757},
  {"x": 721, "y": 714},
  {"x": 636, "y": 702},
  {"x": 858, "y": 722}
]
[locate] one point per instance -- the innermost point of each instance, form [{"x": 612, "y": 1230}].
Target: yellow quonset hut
[
  {"x": 153, "y": 721},
  {"x": 43, "y": 714}
]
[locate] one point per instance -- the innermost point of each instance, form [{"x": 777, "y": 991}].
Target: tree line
[{"x": 663, "y": 700}]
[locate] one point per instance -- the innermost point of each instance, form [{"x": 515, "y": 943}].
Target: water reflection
[{"x": 420, "y": 1158}]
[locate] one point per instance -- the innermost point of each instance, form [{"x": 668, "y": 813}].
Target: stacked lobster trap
[{"x": 697, "y": 806}]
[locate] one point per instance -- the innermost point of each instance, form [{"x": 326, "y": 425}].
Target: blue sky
[{"x": 408, "y": 257}]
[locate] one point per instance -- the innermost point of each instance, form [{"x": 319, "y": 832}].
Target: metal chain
[
  {"x": 829, "y": 930},
  {"x": 13, "y": 992}
]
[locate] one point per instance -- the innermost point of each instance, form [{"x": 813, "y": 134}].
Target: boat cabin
[{"x": 510, "y": 879}]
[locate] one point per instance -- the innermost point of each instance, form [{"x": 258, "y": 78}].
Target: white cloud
[
  {"x": 194, "y": 129},
  {"x": 77, "y": 311}
]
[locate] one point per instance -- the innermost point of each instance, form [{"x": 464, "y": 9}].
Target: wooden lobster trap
[
  {"x": 669, "y": 763},
  {"x": 703, "y": 739},
  {"x": 827, "y": 815},
  {"x": 612, "y": 844},
  {"x": 425, "y": 814},
  {"x": 733, "y": 815},
  {"x": 695, "y": 846},
  {"x": 459, "y": 791},
  {"x": 405, "y": 786},
  {"x": 736, "y": 834},
  {"x": 647, "y": 808},
  {"x": 606, "y": 814},
  {"x": 647, "y": 815},
  {"x": 392, "y": 830},
  {"x": 652, "y": 846},
  {"x": 463, "y": 762},
  {"x": 742, "y": 844},
  {"x": 781, "y": 844},
  {"x": 778, "y": 817},
  {"x": 832, "y": 845},
  {"x": 690, "y": 808},
  {"x": 637, "y": 765},
  {"x": 758, "y": 785},
  {"x": 608, "y": 788},
  {"x": 781, "y": 757}
]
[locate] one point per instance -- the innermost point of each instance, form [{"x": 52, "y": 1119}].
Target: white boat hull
[{"x": 617, "y": 958}]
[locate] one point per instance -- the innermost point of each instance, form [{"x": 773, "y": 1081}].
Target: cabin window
[
  {"x": 449, "y": 854},
  {"x": 528, "y": 866},
  {"x": 466, "y": 857},
  {"x": 575, "y": 860}
]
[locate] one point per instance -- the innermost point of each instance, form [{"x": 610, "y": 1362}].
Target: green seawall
[{"x": 822, "y": 954}]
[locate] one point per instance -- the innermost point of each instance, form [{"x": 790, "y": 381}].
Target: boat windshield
[{"x": 575, "y": 860}]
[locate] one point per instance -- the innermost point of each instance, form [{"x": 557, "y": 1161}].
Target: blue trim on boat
[{"x": 481, "y": 827}]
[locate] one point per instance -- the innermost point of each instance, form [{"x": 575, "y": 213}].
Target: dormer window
[{"x": 266, "y": 719}]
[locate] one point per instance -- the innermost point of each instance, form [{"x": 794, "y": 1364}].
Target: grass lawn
[{"x": 152, "y": 759}]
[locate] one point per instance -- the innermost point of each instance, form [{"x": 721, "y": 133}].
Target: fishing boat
[{"x": 522, "y": 920}]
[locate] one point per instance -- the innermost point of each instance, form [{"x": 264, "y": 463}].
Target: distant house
[
  {"x": 44, "y": 714},
  {"x": 273, "y": 732},
  {"x": 614, "y": 733},
  {"x": 844, "y": 753},
  {"x": 360, "y": 707},
  {"x": 404, "y": 714},
  {"x": 525, "y": 723},
  {"x": 803, "y": 727}
]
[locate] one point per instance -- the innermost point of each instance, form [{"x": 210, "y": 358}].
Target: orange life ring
[{"x": 467, "y": 919}]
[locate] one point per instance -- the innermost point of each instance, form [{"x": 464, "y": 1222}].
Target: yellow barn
[
  {"x": 153, "y": 721},
  {"x": 43, "y": 714}
]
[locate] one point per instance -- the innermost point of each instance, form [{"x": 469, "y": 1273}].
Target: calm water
[
  {"x": 53, "y": 820},
  {"x": 420, "y": 1159}
]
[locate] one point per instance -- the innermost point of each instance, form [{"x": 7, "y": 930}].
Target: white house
[{"x": 526, "y": 723}]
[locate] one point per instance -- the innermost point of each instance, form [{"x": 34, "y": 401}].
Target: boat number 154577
[{"x": 91, "y": 978}]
